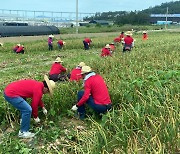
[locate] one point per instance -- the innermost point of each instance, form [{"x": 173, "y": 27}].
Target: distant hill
[
  {"x": 137, "y": 17},
  {"x": 173, "y": 8}
]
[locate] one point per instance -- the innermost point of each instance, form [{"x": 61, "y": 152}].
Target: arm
[{"x": 85, "y": 97}]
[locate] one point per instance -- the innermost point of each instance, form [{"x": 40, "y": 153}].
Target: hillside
[{"x": 137, "y": 17}]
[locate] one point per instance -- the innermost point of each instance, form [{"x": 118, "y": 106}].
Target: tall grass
[{"x": 143, "y": 85}]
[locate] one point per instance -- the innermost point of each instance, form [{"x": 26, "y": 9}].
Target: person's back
[
  {"x": 24, "y": 88},
  {"x": 128, "y": 40},
  {"x": 57, "y": 68},
  {"x": 98, "y": 89},
  {"x": 75, "y": 74}
]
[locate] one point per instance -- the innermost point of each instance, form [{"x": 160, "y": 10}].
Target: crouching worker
[
  {"x": 75, "y": 74},
  {"x": 16, "y": 47},
  {"x": 128, "y": 41},
  {"x": 106, "y": 51},
  {"x": 57, "y": 68},
  {"x": 17, "y": 92},
  {"x": 20, "y": 49},
  {"x": 95, "y": 94},
  {"x": 60, "y": 44},
  {"x": 87, "y": 42}
]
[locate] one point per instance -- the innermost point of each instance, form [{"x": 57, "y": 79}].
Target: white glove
[
  {"x": 74, "y": 108},
  {"x": 44, "y": 110},
  {"x": 37, "y": 120}
]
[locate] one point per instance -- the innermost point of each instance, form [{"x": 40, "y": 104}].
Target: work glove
[
  {"x": 74, "y": 108},
  {"x": 37, "y": 120},
  {"x": 44, "y": 110}
]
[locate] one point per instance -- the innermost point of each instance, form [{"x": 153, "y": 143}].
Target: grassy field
[{"x": 144, "y": 86}]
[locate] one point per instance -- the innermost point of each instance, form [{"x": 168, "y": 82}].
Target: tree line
[{"x": 136, "y": 17}]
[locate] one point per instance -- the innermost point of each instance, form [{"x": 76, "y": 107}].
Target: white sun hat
[
  {"x": 85, "y": 69},
  {"x": 50, "y": 83}
]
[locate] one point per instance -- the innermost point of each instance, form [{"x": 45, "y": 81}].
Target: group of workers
[{"x": 95, "y": 93}]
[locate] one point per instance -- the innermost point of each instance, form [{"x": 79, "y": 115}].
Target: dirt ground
[{"x": 44, "y": 37}]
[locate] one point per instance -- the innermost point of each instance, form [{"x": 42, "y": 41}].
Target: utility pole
[
  {"x": 166, "y": 18},
  {"x": 76, "y": 16}
]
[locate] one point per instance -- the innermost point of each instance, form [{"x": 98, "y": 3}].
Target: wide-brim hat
[
  {"x": 81, "y": 64},
  {"x": 18, "y": 44},
  {"x": 128, "y": 33},
  {"x": 107, "y": 46},
  {"x": 144, "y": 32},
  {"x": 85, "y": 69},
  {"x": 58, "y": 60},
  {"x": 51, "y": 36},
  {"x": 64, "y": 42},
  {"x": 50, "y": 83}
]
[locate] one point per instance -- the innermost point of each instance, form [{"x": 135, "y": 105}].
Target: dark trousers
[
  {"x": 96, "y": 107},
  {"x": 58, "y": 77},
  {"x": 127, "y": 47},
  {"x": 50, "y": 46},
  {"x": 86, "y": 46}
]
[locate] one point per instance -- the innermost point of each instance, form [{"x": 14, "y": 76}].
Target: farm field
[{"x": 144, "y": 86}]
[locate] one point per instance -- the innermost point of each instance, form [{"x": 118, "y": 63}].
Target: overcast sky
[{"x": 85, "y": 6}]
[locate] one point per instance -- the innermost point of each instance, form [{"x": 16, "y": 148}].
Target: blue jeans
[
  {"x": 96, "y": 107},
  {"x": 25, "y": 109}
]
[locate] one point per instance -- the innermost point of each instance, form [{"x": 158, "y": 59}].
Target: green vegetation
[
  {"x": 137, "y": 17},
  {"x": 143, "y": 85}
]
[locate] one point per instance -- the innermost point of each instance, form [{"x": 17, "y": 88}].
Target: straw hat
[
  {"x": 1, "y": 44},
  {"x": 128, "y": 33},
  {"x": 64, "y": 42},
  {"x": 144, "y": 32},
  {"x": 85, "y": 69},
  {"x": 51, "y": 36},
  {"x": 81, "y": 64},
  {"x": 50, "y": 83},
  {"x": 18, "y": 44},
  {"x": 107, "y": 46},
  {"x": 58, "y": 60}
]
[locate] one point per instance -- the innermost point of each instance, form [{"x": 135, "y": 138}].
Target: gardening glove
[
  {"x": 74, "y": 108},
  {"x": 37, "y": 120},
  {"x": 44, "y": 110}
]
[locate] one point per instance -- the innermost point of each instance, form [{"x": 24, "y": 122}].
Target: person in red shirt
[
  {"x": 75, "y": 74},
  {"x": 16, "y": 93},
  {"x": 144, "y": 36},
  {"x": 106, "y": 51},
  {"x": 95, "y": 94},
  {"x": 20, "y": 49},
  {"x": 16, "y": 47},
  {"x": 128, "y": 41},
  {"x": 56, "y": 70},
  {"x": 117, "y": 40},
  {"x": 112, "y": 47},
  {"x": 87, "y": 42},
  {"x": 121, "y": 36},
  {"x": 60, "y": 43}
]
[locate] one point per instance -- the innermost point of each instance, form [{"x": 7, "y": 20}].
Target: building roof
[{"x": 165, "y": 15}]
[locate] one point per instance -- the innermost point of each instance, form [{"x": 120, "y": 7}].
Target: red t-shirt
[
  {"x": 27, "y": 89},
  {"x": 20, "y": 49},
  {"x": 121, "y": 36},
  {"x": 95, "y": 87},
  {"x": 128, "y": 40},
  {"x": 117, "y": 39},
  {"x": 16, "y": 47},
  {"x": 105, "y": 52},
  {"x": 112, "y": 46},
  {"x": 145, "y": 37},
  {"x": 75, "y": 74},
  {"x": 61, "y": 42},
  {"x": 87, "y": 40},
  {"x": 57, "y": 68}
]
